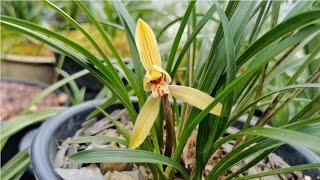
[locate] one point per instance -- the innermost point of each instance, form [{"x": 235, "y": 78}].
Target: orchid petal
[
  {"x": 194, "y": 97},
  {"x": 147, "y": 46},
  {"x": 144, "y": 122}
]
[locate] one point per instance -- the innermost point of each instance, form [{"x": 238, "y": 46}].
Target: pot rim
[
  {"x": 40, "y": 160},
  {"x": 40, "y": 146},
  {"x": 27, "y": 82},
  {"x": 30, "y": 59}
]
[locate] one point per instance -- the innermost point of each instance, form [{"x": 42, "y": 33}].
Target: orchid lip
[{"x": 157, "y": 82}]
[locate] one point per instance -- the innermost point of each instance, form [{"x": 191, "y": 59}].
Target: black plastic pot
[{"x": 65, "y": 124}]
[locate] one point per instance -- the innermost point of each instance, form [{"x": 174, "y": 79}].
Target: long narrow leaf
[
  {"x": 20, "y": 122},
  {"x": 65, "y": 50},
  {"x": 307, "y": 111},
  {"x": 17, "y": 165},
  {"x": 132, "y": 156},
  {"x": 110, "y": 24},
  {"x": 125, "y": 133},
  {"x": 282, "y": 170},
  {"x": 191, "y": 38},
  {"x": 278, "y": 31},
  {"x": 289, "y": 136},
  {"x": 97, "y": 138},
  {"x": 52, "y": 88},
  {"x": 113, "y": 73},
  {"x": 230, "y": 87},
  {"x": 129, "y": 26},
  {"x": 129, "y": 75},
  {"x": 179, "y": 34},
  {"x": 296, "y": 86},
  {"x": 167, "y": 26}
]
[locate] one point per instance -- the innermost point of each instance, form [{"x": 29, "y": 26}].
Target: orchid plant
[{"x": 236, "y": 60}]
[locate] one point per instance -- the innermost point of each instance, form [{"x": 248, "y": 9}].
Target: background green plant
[{"x": 250, "y": 63}]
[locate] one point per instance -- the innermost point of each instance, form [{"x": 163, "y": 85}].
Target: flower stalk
[{"x": 169, "y": 127}]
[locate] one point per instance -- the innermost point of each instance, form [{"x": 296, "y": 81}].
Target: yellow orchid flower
[{"x": 157, "y": 80}]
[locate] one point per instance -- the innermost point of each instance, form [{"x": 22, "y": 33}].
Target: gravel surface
[
  {"x": 15, "y": 96},
  {"x": 112, "y": 171}
]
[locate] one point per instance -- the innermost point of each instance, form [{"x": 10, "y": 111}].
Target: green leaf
[
  {"x": 301, "y": 6},
  {"x": 3, "y": 142},
  {"x": 122, "y": 155},
  {"x": 230, "y": 68},
  {"x": 259, "y": 20},
  {"x": 114, "y": 77},
  {"x": 215, "y": 63},
  {"x": 242, "y": 152},
  {"x": 17, "y": 165},
  {"x": 305, "y": 64},
  {"x": 275, "y": 12},
  {"x": 105, "y": 105},
  {"x": 20, "y": 174},
  {"x": 99, "y": 70},
  {"x": 121, "y": 9},
  {"x": 190, "y": 39},
  {"x": 289, "y": 136},
  {"x": 179, "y": 34},
  {"x": 247, "y": 149},
  {"x": 296, "y": 86},
  {"x": 280, "y": 30},
  {"x": 20, "y": 122},
  {"x": 227, "y": 103},
  {"x": 128, "y": 74},
  {"x": 97, "y": 138},
  {"x": 302, "y": 123},
  {"x": 129, "y": 26},
  {"x": 125, "y": 133},
  {"x": 232, "y": 86},
  {"x": 308, "y": 110},
  {"x": 230, "y": 51},
  {"x": 165, "y": 27},
  {"x": 282, "y": 170},
  {"x": 110, "y": 24},
  {"x": 52, "y": 88},
  {"x": 104, "y": 93},
  {"x": 250, "y": 164},
  {"x": 76, "y": 96}
]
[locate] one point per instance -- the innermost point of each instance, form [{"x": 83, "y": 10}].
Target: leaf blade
[
  {"x": 132, "y": 156},
  {"x": 97, "y": 138},
  {"x": 282, "y": 170}
]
